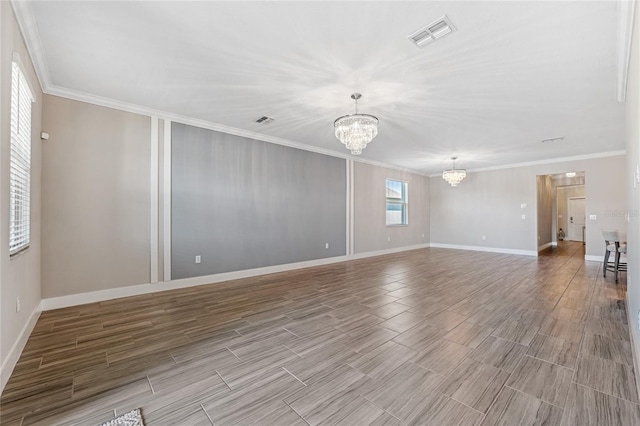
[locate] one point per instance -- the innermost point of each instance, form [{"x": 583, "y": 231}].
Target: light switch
[
  {"x": 523, "y": 205},
  {"x": 593, "y": 217},
  {"x": 524, "y": 216}
]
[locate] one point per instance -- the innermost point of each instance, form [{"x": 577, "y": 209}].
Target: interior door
[{"x": 575, "y": 210}]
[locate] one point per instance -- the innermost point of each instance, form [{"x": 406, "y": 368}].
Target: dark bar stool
[{"x": 613, "y": 245}]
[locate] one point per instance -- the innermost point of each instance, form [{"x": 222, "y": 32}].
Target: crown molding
[
  {"x": 548, "y": 161},
  {"x": 29, "y": 29},
  {"x": 31, "y": 35},
  {"x": 164, "y": 115},
  {"x": 626, "y": 9}
]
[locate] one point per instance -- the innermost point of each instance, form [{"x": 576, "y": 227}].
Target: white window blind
[{"x": 20, "y": 162}]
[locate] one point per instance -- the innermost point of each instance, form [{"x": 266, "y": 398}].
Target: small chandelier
[
  {"x": 454, "y": 176},
  {"x": 355, "y": 131}
]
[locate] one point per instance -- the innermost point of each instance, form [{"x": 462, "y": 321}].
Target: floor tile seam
[
  {"x": 538, "y": 398},
  {"x": 551, "y": 362},
  {"x": 601, "y": 391},
  {"x": 206, "y": 414},
  {"x": 381, "y": 408},
  {"x": 608, "y": 394},
  {"x": 468, "y": 406},
  {"x": 294, "y": 376},
  {"x": 580, "y": 350},
  {"x": 153, "y": 392},
  {"x": 609, "y": 359},
  {"x": 223, "y": 380}
]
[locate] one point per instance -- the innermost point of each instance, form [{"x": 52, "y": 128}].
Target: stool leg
[
  {"x": 617, "y": 264},
  {"x": 606, "y": 262}
]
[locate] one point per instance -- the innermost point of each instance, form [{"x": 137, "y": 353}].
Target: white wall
[
  {"x": 489, "y": 203},
  {"x": 96, "y": 198},
  {"x": 371, "y": 231},
  {"x": 633, "y": 190},
  {"x": 20, "y": 274}
]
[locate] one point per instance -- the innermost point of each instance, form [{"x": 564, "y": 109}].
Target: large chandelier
[
  {"x": 355, "y": 131},
  {"x": 454, "y": 176}
]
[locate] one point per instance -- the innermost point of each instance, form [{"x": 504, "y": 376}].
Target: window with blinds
[{"x": 20, "y": 162}]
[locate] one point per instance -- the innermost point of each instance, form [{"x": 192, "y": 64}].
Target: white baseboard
[
  {"x": 14, "y": 354},
  {"x": 545, "y": 246},
  {"x": 600, "y": 258},
  {"x": 487, "y": 249},
  {"x": 135, "y": 290},
  {"x": 635, "y": 343}
]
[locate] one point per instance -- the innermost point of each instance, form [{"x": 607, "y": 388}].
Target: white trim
[
  {"x": 135, "y": 290},
  {"x": 348, "y": 209},
  {"x": 635, "y": 343},
  {"x": 29, "y": 29},
  {"x": 352, "y": 213},
  {"x": 16, "y": 350},
  {"x": 153, "y": 212},
  {"x": 593, "y": 258},
  {"x": 204, "y": 124},
  {"x": 545, "y": 246},
  {"x": 486, "y": 249},
  {"x": 166, "y": 192},
  {"x": 27, "y": 23},
  {"x": 569, "y": 186},
  {"x": 626, "y": 11},
  {"x": 548, "y": 161}
]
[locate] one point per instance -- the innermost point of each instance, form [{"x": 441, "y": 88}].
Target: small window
[
  {"x": 20, "y": 163},
  {"x": 396, "y": 202}
]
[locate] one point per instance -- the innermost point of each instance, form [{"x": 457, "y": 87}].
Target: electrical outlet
[
  {"x": 484, "y": 237},
  {"x": 422, "y": 235},
  {"x": 198, "y": 259},
  {"x": 388, "y": 238},
  {"x": 326, "y": 245},
  {"x": 524, "y": 216},
  {"x": 18, "y": 304}
]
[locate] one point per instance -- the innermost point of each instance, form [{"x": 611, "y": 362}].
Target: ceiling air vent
[
  {"x": 264, "y": 120},
  {"x": 432, "y": 32}
]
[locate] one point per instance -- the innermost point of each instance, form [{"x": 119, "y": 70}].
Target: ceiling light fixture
[
  {"x": 355, "y": 131},
  {"x": 454, "y": 176}
]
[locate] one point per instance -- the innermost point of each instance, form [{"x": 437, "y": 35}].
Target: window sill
[
  {"x": 19, "y": 252},
  {"x": 398, "y": 226}
]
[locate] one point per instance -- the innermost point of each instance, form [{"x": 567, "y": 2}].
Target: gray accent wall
[{"x": 242, "y": 204}]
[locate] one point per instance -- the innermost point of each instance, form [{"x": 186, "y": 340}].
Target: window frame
[
  {"x": 20, "y": 159},
  {"x": 403, "y": 202}
]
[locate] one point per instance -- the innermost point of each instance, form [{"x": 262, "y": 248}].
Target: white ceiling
[{"x": 513, "y": 74}]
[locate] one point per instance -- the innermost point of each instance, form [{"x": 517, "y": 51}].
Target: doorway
[
  {"x": 577, "y": 222},
  {"x": 556, "y": 195}
]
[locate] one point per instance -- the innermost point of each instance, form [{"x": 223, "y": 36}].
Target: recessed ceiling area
[{"x": 511, "y": 74}]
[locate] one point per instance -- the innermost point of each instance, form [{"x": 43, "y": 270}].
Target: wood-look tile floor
[{"x": 425, "y": 337}]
